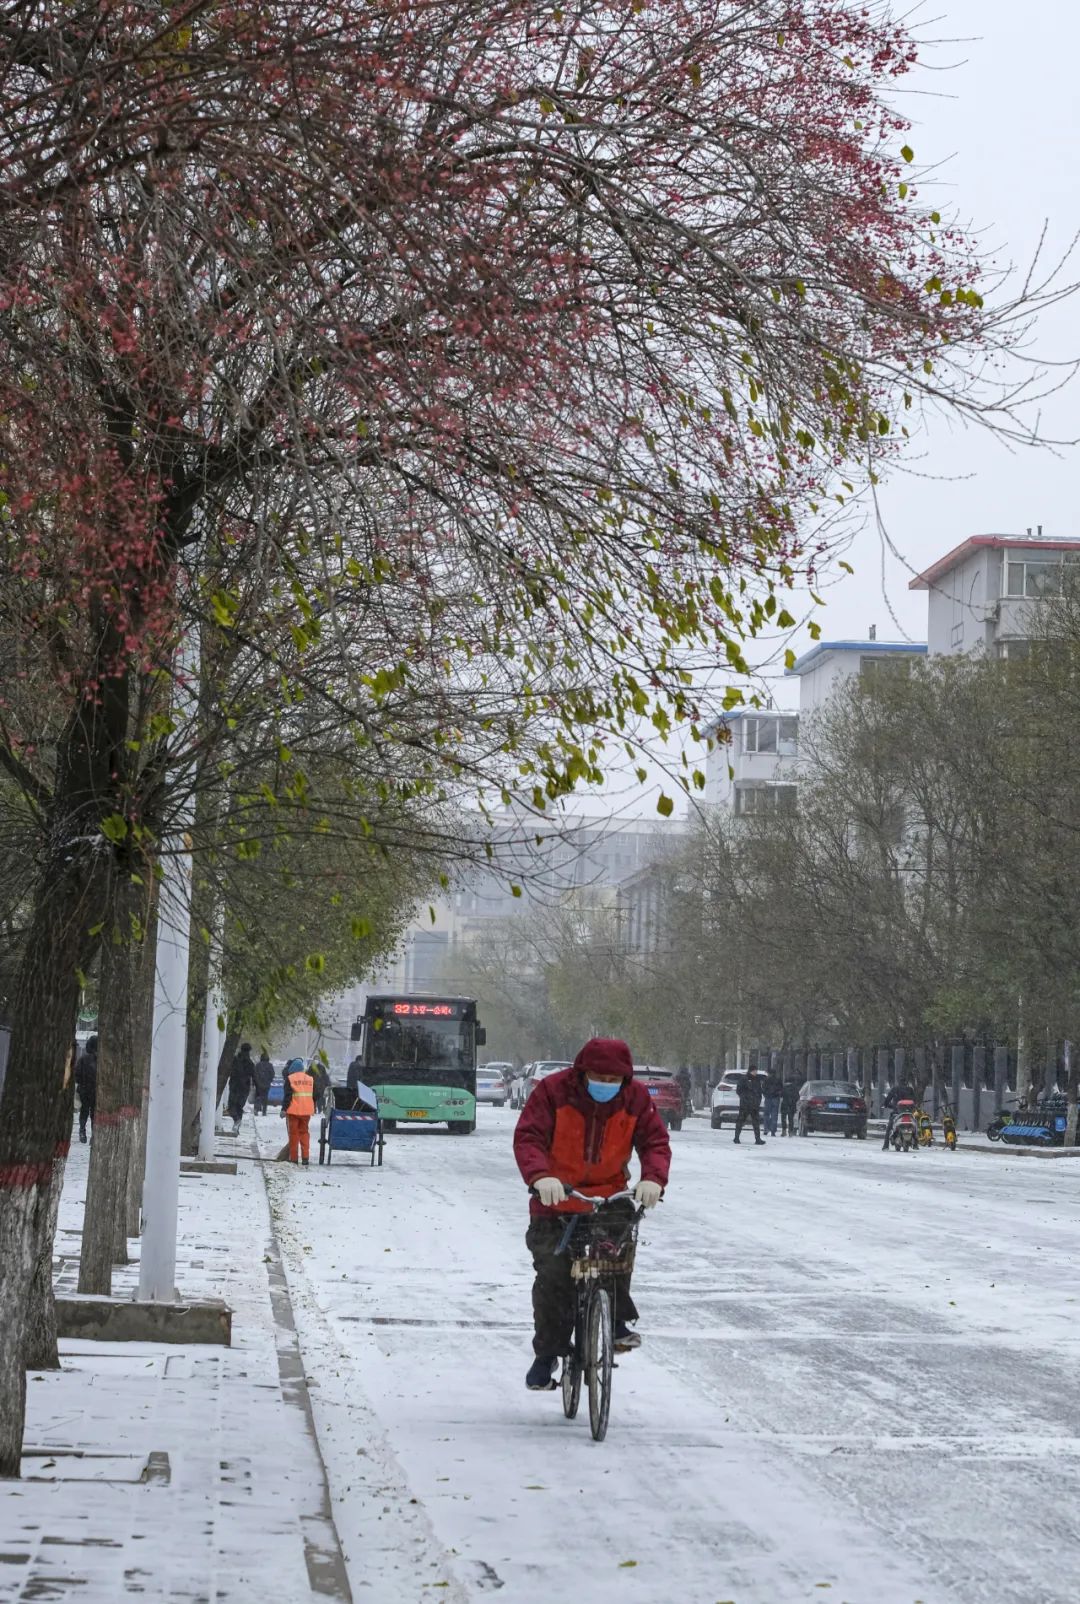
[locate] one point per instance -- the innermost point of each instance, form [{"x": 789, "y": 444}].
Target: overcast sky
[
  {"x": 996, "y": 110},
  {"x": 1005, "y": 124}
]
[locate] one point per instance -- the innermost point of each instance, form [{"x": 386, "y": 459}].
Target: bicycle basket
[{"x": 603, "y": 1246}]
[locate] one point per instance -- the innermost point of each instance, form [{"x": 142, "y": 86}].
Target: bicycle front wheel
[
  {"x": 598, "y": 1361},
  {"x": 571, "y": 1382}
]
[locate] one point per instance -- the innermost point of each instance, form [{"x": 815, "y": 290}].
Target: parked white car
[
  {"x": 538, "y": 1072},
  {"x": 724, "y": 1103}
]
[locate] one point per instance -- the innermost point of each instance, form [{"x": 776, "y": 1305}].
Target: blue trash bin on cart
[{"x": 349, "y": 1126}]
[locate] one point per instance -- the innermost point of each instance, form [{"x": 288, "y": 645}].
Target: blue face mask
[{"x": 602, "y": 1091}]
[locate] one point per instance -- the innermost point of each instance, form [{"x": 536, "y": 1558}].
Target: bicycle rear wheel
[{"x": 598, "y": 1360}]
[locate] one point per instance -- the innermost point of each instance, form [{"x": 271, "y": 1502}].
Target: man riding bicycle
[{"x": 577, "y": 1130}]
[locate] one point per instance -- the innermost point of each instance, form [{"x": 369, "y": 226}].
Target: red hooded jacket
[{"x": 563, "y": 1131}]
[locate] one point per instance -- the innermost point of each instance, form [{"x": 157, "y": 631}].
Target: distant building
[
  {"x": 832, "y": 663},
  {"x": 982, "y": 595},
  {"x": 754, "y": 759}
]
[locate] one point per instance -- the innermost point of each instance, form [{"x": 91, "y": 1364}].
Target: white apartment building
[
  {"x": 753, "y": 762},
  {"x": 981, "y": 595},
  {"x": 831, "y": 663}
]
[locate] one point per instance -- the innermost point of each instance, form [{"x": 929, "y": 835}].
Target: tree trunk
[
  {"x": 126, "y": 953},
  {"x": 69, "y": 908},
  {"x": 41, "y": 1350},
  {"x": 35, "y": 1122},
  {"x": 198, "y": 986}
]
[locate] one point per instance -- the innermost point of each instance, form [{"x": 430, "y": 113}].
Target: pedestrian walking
[
  {"x": 86, "y": 1084},
  {"x": 241, "y": 1080},
  {"x": 789, "y": 1101},
  {"x": 354, "y": 1075},
  {"x": 264, "y": 1079},
  {"x": 297, "y": 1109},
  {"x": 772, "y": 1092},
  {"x": 321, "y": 1080},
  {"x": 749, "y": 1089}
]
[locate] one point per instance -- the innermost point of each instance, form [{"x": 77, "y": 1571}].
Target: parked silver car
[{"x": 490, "y": 1085}]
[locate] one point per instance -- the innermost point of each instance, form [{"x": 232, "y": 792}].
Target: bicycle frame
[{"x": 596, "y": 1263}]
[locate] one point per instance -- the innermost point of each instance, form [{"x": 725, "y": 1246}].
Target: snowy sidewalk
[{"x": 178, "y": 1473}]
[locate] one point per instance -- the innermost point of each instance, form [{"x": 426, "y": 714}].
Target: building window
[
  {"x": 1037, "y": 577},
  {"x": 1013, "y": 651},
  {"x": 761, "y": 798},
  {"x": 771, "y": 736},
  {"x": 873, "y": 669}
]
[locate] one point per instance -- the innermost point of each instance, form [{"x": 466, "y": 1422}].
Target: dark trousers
[
  {"x": 553, "y": 1291},
  {"x": 772, "y": 1112},
  {"x": 752, "y": 1113},
  {"x": 260, "y": 1102},
  {"x": 787, "y": 1120},
  {"x": 86, "y": 1112},
  {"x": 236, "y": 1106}
]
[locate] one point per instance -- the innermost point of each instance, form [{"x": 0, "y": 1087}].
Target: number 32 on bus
[{"x": 419, "y": 1055}]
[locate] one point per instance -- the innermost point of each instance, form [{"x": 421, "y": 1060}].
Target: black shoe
[
  {"x": 738, "y": 1140},
  {"x": 758, "y": 1142},
  {"x": 82, "y": 1136},
  {"x": 306, "y": 1163},
  {"x": 625, "y": 1340},
  {"x": 540, "y": 1377}
]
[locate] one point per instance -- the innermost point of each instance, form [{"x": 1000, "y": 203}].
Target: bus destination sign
[{"x": 424, "y": 1010}]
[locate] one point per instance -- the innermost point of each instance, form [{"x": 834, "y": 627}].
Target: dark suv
[{"x": 832, "y": 1105}]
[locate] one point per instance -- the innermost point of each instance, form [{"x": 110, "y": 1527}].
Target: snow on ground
[{"x": 856, "y": 1383}]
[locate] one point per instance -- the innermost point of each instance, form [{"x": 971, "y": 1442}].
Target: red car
[{"x": 665, "y": 1090}]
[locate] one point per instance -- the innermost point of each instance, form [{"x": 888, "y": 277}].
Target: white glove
[
  {"x": 647, "y": 1193},
  {"x": 550, "y": 1190}
]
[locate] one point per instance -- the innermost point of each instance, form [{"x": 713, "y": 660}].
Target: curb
[{"x": 327, "y": 1571}]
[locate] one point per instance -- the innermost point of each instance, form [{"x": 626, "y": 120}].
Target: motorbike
[
  {"x": 948, "y": 1127},
  {"x": 1003, "y": 1117},
  {"x": 905, "y": 1131}
]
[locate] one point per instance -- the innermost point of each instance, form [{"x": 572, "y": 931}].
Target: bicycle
[{"x": 600, "y": 1253}]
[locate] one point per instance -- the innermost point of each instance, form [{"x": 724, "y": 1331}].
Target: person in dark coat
[
  {"x": 86, "y": 1084},
  {"x": 355, "y": 1074},
  {"x": 789, "y": 1101},
  {"x": 749, "y": 1088},
  {"x": 317, "y": 1071},
  {"x": 903, "y": 1093},
  {"x": 264, "y": 1079},
  {"x": 241, "y": 1080},
  {"x": 772, "y": 1090}
]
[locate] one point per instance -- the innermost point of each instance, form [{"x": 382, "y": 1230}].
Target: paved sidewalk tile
[{"x": 177, "y": 1473}]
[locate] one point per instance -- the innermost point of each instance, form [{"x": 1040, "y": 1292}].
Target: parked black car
[{"x": 831, "y": 1105}]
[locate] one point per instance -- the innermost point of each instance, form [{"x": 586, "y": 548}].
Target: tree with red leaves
[{"x": 489, "y": 356}]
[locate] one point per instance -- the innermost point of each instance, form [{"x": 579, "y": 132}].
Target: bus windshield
[{"x": 419, "y": 1044}]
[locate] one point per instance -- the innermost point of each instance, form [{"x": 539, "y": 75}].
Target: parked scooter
[
  {"x": 925, "y": 1127},
  {"x": 905, "y": 1131},
  {"x": 948, "y": 1126},
  {"x": 1003, "y": 1117}
]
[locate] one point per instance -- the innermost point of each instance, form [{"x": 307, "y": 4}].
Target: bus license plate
[{"x": 416, "y": 1113}]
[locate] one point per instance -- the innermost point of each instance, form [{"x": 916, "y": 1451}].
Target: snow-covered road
[{"x": 858, "y": 1379}]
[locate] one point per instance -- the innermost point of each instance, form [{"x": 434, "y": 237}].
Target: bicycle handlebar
[{"x": 595, "y": 1203}]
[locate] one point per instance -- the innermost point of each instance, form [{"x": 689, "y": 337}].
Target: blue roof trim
[{"x": 872, "y": 647}]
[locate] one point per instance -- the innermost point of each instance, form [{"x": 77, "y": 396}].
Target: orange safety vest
[
  {"x": 303, "y": 1088},
  {"x": 594, "y": 1162}
]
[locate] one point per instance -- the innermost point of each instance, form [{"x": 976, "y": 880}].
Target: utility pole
[{"x": 165, "y": 1110}]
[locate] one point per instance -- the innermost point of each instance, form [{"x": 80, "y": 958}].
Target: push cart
[{"x": 349, "y": 1126}]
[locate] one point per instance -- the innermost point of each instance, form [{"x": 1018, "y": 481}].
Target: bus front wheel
[{"x": 461, "y": 1127}]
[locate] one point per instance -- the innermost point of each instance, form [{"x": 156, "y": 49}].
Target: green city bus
[{"x": 419, "y": 1055}]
